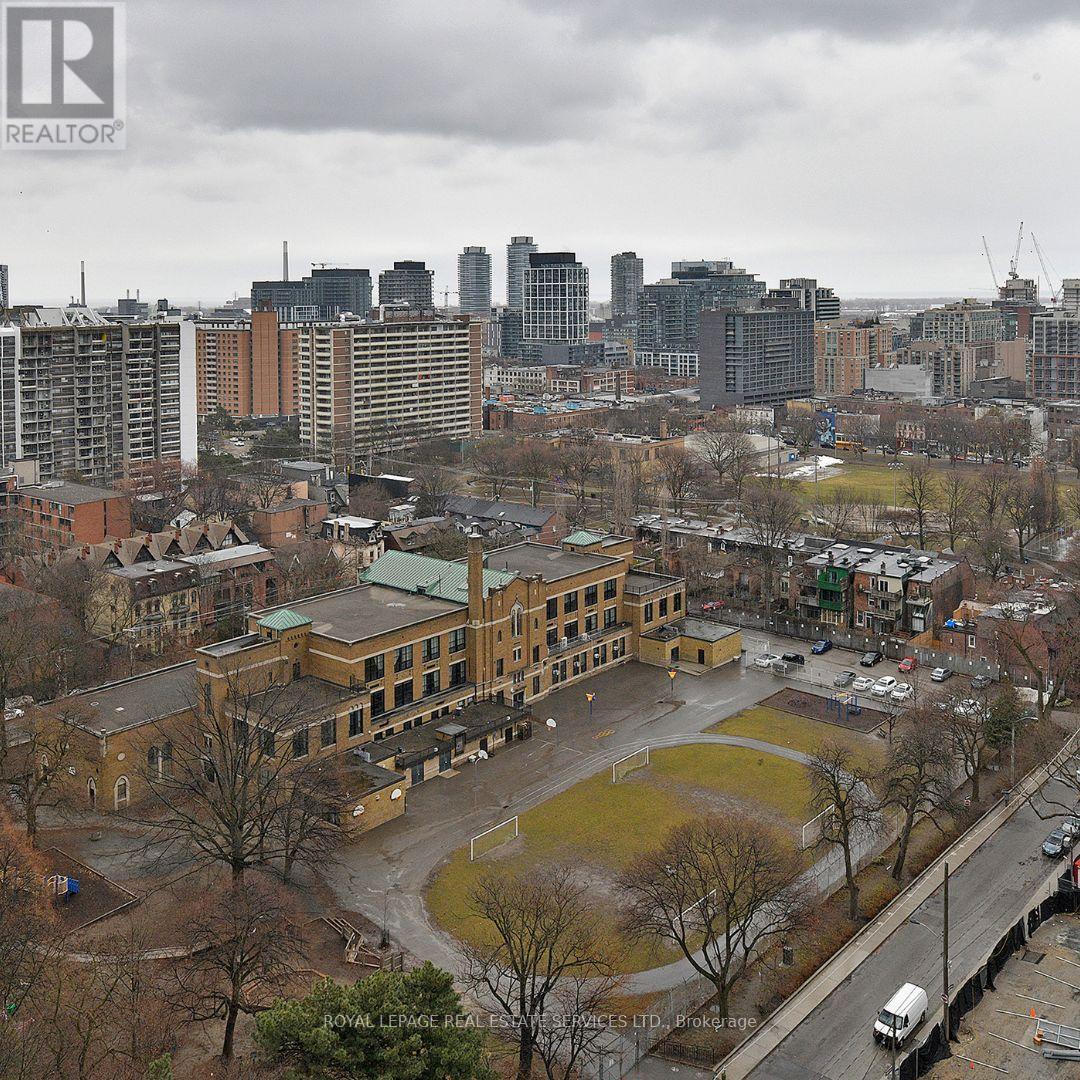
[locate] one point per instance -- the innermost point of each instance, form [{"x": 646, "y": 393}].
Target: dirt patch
[
  {"x": 89, "y": 896},
  {"x": 817, "y": 707}
]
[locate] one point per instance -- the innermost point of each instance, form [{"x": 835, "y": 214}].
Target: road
[{"x": 986, "y": 893}]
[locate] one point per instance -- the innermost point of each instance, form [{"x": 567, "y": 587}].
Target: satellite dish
[
  {"x": 482, "y": 755},
  {"x": 551, "y": 722},
  {"x": 395, "y": 794},
  {"x": 357, "y": 811}
]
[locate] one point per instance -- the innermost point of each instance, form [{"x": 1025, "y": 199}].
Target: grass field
[
  {"x": 866, "y": 483},
  {"x": 600, "y": 827},
  {"x": 798, "y": 733}
]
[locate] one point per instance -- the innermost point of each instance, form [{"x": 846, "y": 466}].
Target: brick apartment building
[{"x": 56, "y": 514}]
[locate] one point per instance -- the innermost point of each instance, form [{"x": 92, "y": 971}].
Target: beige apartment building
[
  {"x": 377, "y": 385},
  {"x": 843, "y": 353}
]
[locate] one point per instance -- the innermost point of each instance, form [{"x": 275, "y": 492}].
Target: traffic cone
[{"x": 1033, "y": 1016}]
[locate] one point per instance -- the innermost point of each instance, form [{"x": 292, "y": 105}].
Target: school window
[
  {"x": 457, "y": 640},
  {"x": 403, "y": 658},
  {"x": 590, "y": 596},
  {"x": 536, "y": 684},
  {"x": 552, "y": 635},
  {"x": 378, "y": 702},
  {"x": 374, "y": 668},
  {"x": 431, "y": 649},
  {"x": 432, "y": 683},
  {"x": 611, "y": 616},
  {"x": 536, "y": 654},
  {"x": 268, "y": 746},
  {"x": 649, "y": 612},
  {"x": 300, "y": 743},
  {"x": 677, "y": 602},
  {"x": 499, "y": 667},
  {"x": 517, "y": 655},
  {"x": 356, "y": 722},
  {"x": 457, "y": 673},
  {"x": 570, "y": 630},
  {"x": 569, "y": 602},
  {"x": 403, "y": 693},
  {"x": 328, "y": 732},
  {"x": 610, "y": 588},
  {"x": 590, "y": 623},
  {"x": 553, "y": 608},
  {"x": 515, "y": 621},
  {"x": 663, "y": 607}
]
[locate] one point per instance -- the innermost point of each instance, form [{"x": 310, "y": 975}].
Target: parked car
[
  {"x": 941, "y": 674},
  {"x": 968, "y": 707},
  {"x": 981, "y": 682},
  {"x": 862, "y": 682},
  {"x": 712, "y": 605},
  {"x": 823, "y": 645},
  {"x": 901, "y": 692},
  {"x": 793, "y": 658},
  {"x": 909, "y": 663},
  {"x": 883, "y": 687},
  {"x": 845, "y": 678},
  {"x": 907, "y": 453},
  {"x": 869, "y": 659},
  {"x": 1054, "y": 845},
  {"x": 765, "y": 660},
  {"x": 1071, "y": 827},
  {"x": 902, "y": 1014}
]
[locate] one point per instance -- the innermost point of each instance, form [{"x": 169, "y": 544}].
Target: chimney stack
[
  {"x": 82, "y": 282},
  {"x": 284, "y": 260},
  {"x": 663, "y": 427},
  {"x": 476, "y": 579}
]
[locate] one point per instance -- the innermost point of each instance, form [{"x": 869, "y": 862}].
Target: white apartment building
[
  {"x": 683, "y": 364},
  {"x": 556, "y": 302},
  {"x": 368, "y": 386}
]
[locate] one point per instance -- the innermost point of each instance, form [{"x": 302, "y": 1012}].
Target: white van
[{"x": 902, "y": 1014}]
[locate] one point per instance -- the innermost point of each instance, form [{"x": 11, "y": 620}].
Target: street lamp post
[
  {"x": 671, "y": 683},
  {"x": 589, "y": 695}
]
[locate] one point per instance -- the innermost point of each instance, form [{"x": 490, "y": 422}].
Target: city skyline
[{"x": 571, "y": 99}]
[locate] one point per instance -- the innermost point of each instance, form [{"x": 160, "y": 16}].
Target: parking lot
[{"x": 823, "y": 670}]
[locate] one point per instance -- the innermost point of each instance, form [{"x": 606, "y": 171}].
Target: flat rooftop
[
  {"x": 65, "y": 491},
  {"x": 130, "y": 702},
  {"x": 365, "y": 611},
  {"x": 705, "y": 629},
  {"x": 296, "y": 700},
  {"x": 550, "y": 563},
  {"x": 639, "y": 581}
]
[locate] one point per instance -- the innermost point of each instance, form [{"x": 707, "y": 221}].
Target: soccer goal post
[
  {"x": 625, "y": 765},
  {"x": 491, "y": 838}
]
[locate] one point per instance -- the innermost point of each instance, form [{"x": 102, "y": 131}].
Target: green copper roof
[
  {"x": 584, "y": 536},
  {"x": 284, "y": 619},
  {"x": 432, "y": 577}
]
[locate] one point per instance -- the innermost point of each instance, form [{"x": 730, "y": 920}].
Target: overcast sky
[{"x": 864, "y": 142}]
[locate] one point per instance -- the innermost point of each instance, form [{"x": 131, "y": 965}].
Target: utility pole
[{"x": 945, "y": 967}]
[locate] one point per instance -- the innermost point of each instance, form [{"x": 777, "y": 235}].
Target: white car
[
  {"x": 883, "y": 687},
  {"x": 765, "y": 660},
  {"x": 907, "y": 453},
  {"x": 901, "y": 692},
  {"x": 862, "y": 682}
]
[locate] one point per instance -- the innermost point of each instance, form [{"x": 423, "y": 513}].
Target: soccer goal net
[
  {"x": 625, "y": 765},
  {"x": 491, "y": 838}
]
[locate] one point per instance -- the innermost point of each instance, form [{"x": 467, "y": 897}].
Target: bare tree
[
  {"x": 917, "y": 780},
  {"x": 540, "y": 941},
  {"x": 231, "y": 785},
  {"x": 720, "y": 889},
  {"x": 1022, "y": 513},
  {"x": 957, "y": 507},
  {"x": 991, "y": 491},
  {"x": 493, "y": 461},
  {"x": 573, "y": 1029},
  {"x": 434, "y": 486},
  {"x": 771, "y": 512},
  {"x": 841, "y": 789},
  {"x": 309, "y": 568},
  {"x": 840, "y": 510},
  {"x": 804, "y": 431},
  {"x": 535, "y": 463},
  {"x": 967, "y": 731},
  {"x": 680, "y": 473},
  {"x": 724, "y": 447},
  {"x": 20, "y": 642},
  {"x": 249, "y": 942},
  {"x": 992, "y": 550},
  {"x": 920, "y": 492},
  {"x": 581, "y": 461}
]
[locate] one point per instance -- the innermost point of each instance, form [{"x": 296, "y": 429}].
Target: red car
[
  {"x": 909, "y": 663},
  {"x": 712, "y": 605}
]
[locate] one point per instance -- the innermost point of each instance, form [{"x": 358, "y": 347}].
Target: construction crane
[
  {"x": 990, "y": 263},
  {"x": 1043, "y": 261},
  {"x": 1015, "y": 260}
]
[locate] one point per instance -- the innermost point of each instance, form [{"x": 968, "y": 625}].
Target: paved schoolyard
[{"x": 388, "y": 870}]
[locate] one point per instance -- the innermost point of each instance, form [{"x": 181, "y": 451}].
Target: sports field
[{"x": 599, "y": 827}]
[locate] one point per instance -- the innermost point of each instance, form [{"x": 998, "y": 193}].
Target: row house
[{"x": 905, "y": 593}]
